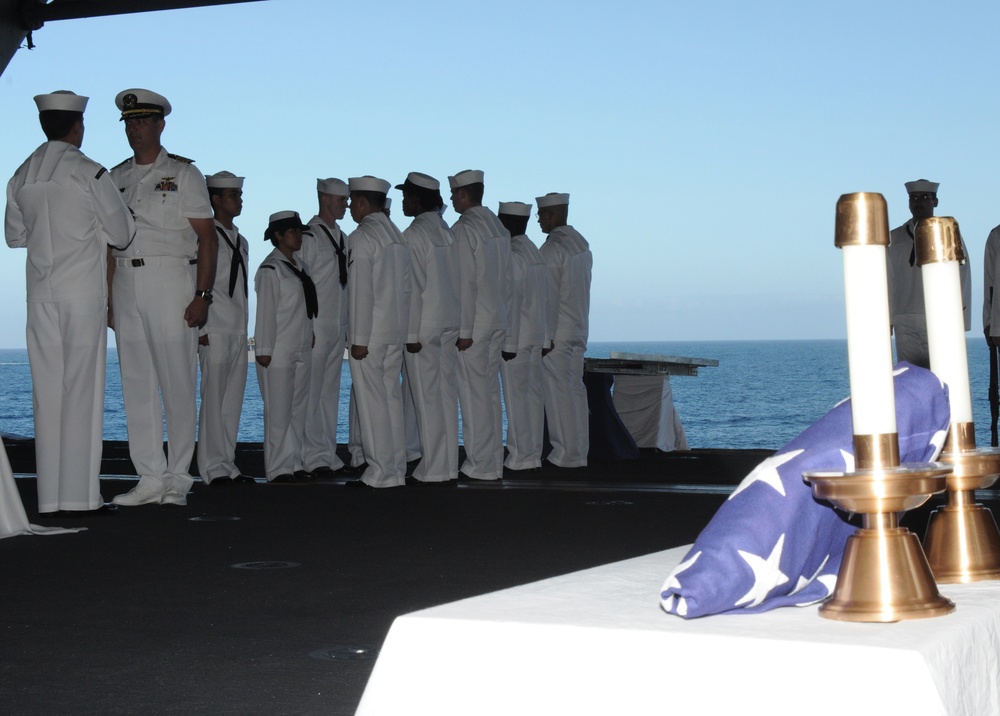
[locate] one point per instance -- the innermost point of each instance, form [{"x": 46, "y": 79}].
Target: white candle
[
  {"x": 869, "y": 347},
  {"x": 946, "y": 334}
]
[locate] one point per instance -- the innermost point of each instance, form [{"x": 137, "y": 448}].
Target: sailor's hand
[
  {"x": 507, "y": 356},
  {"x": 263, "y": 361},
  {"x": 463, "y": 343},
  {"x": 203, "y": 339},
  {"x": 196, "y": 313},
  {"x": 359, "y": 352},
  {"x": 414, "y": 347}
]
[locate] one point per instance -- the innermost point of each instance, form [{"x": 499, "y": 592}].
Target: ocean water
[{"x": 762, "y": 394}]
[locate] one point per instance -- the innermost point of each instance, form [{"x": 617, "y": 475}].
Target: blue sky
[{"x": 704, "y": 145}]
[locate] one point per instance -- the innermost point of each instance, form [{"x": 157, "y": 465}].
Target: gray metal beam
[{"x": 19, "y": 17}]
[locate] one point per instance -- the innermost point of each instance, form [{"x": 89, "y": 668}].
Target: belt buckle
[{"x": 138, "y": 262}]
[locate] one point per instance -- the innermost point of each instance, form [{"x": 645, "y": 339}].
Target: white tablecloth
[
  {"x": 597, "y": 642},
  {"x": 645, "y": 403}
]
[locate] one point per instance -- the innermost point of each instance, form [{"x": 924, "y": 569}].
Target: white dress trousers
[
  {"x": 432, "y": 379},
  {"x": 479, "y": 397},
  {"x": 566, "y": 404},
  {"x": 67, "y": 350},
  {"x": 522, "y": 395},
  {"x": 223, "y": 382},
  {"x": 379, "y": 397},
  {"x": 157, "y": 352}
]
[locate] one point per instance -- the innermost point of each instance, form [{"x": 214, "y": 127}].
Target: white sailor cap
[
  {"x": 137, "y": 102},
  {"x": 224, "y": 180},
  {"x": 337, "y": 187},
  {"x": 63, "y": 100},
  {"x": 388, "y": 202},
  {"x": 466, "y": 177},
  {"x": 514, "y": 208},
  {"x": 421, "y": 181},
  {"x": 369, "y": 183},
  {"x": 282, "y": 221},
  {"x": 552, "y": 199},
  {"x": 921, "y": 186}
]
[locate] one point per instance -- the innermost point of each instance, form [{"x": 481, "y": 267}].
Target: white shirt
[
  {"x": 65, "y": 209},
  {"x": 486, "y": 280},
  {"x": 319, "y": 254},
  {"x": 530, "y": 294},
  {"x": 229, "y": 313},
  {"x": 282, "y": 322},
  {"x": 570, "y": 263},
  {"x": 163, "y": 195},
  {"x": 379, "y": 288},
  {"x": 435, "y": 297}
]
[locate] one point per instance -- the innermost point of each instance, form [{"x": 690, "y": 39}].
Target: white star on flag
[
  {"x": 767, "y": 472},
  {"x": 766, "y": 573}
]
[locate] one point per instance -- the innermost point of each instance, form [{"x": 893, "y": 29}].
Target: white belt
[{"x": 123, "y": 261}]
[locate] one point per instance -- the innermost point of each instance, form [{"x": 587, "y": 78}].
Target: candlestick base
[
  {"x": 884, "y": 576},
  {"x": 962, "y": 541}
]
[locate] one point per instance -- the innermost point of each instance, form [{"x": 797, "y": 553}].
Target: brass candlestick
[
  {"x": 884, "y": 576},
  {"x": 962, "y": 541}
]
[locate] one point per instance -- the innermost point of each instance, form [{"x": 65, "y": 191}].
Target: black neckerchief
[
  {"x": 308, "y": 288},
  {"x": 341, "y": 256},
  {"x": 236, "y": 264},
  {"x": 913, "y": 244}
]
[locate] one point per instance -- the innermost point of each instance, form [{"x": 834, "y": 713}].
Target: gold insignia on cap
[{"x": 129, "y": 101}]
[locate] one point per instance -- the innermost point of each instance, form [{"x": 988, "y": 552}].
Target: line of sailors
[{"x": 450, "y": 309}]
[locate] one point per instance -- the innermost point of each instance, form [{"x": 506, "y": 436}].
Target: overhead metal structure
[{"x": 19, "y": 19}]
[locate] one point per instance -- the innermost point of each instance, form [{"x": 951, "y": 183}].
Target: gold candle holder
[
  {"x": 884, "y": 576},
  {"x": 962, "y": 541}
]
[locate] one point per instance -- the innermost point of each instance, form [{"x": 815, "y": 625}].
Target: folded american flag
[{"x": 772, "y": 544}]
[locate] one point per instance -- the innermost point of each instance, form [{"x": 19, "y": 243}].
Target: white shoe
[
  {"x": 141, "y": 494},
  {"x": 173, "y": 496}
]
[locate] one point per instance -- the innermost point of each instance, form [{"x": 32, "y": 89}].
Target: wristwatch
[{"x": 206, "y": 295}]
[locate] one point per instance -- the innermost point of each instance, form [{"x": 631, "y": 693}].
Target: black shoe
[
  {"x": 358, "y": 485},
  {"x": 220, "y": 481},
  {"x": 286, "y": 479},
  {"x": 243, "y": 480},
  {"x": 323, "y": 472},
  {"x": 348, "y": 470},
  {"x": 304, "y": 476},
  {"x": 106, "y": 510}
]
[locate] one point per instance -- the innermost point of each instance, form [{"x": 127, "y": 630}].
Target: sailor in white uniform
[
  {"x": 283, "y": 337},
  {"x": 324, "y": 251},
  {"x": 484, "y": 331},
  {"x": 160, "y": 293},
  {"x": 222, "y": 345},
  {"x": 522, "y": 375},
  {"x": 378, "y": 310},
  {"x": 906, "y": 287},
  {"x": 66, "y": 211},
  {"x": 570, "y": 263},
  {"x": 431, "y": 356}
]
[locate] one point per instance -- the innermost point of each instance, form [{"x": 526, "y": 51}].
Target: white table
[{"x": 597, "y": 642}]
